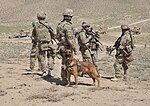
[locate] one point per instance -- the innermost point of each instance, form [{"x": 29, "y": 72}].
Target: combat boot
[
  {"x": 49, "y": 73},
  {"x": 125, "y": 78},
  {"x": 114, "y": 79}
]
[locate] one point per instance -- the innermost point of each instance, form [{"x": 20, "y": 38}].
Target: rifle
[
  {"x": 95, "y": 39},
  {"x": 91, "y": 56},
  {"x": 116, "y": 45},
  {"x": 95, "y": 36}
]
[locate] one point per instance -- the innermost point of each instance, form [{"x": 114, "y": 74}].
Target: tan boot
[
  {"x": 49, "y": 73},
  {"x": 114, "y": 79}
]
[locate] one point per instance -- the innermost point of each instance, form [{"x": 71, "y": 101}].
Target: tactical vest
[
  {"x": 42, "y": 33},
  {"x": 43, "y": 37}
]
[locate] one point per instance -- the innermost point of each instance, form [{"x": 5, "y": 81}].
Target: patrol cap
[
  {"x": 68, "y": 12},
  {"x": 125, "y": 27},
  {"x": 85, "y": 24},
  {"x": 41, "y": 15}
]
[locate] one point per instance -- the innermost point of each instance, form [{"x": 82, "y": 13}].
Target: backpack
[{"x": 42, "y": 33}]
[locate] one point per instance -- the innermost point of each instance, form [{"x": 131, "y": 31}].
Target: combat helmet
[
  {"x": 85, "y": 24},
  {"x": 68, "y": 12},
  {"x": 41, "y": 15},
  {"x": 125, "y": 27}
]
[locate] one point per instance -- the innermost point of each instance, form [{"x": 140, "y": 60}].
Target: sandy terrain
[{"x": 19, "y": 87}]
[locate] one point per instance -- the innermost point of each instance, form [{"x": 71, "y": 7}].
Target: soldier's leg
[
  {"x": 93, "y": 56},
  {"x": 95, "y": 59},
  {"x": 125, "y": 68},
  {"x": 86, "y": 57},
  {"x": 33, "y": 57},
  {"x": 50, "y": 57},
  {"x": 63, "y": 74},
  {"x": 39, "y": 64},
  {"x": 117, "y": 69},
  {"x": 42, "y": 61},
  {"x": 32, "y": 62}
]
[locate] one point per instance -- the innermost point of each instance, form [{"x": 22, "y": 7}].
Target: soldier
[
  {"x": 42, "y": 37},
  {"x": 66, "y": 37},
  {"x": 124, "y": 47},
  {"x": 94, "y": 47},
  {"x": 34, "y": 51},
  {"x": 83, "y": 41},
  {"x": 89, "y": 43}
]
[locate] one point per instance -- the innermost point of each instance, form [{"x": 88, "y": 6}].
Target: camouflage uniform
[
  {"x": 34, "y": 56},
  {"x": 83, "y": 41},
  {"x": 34, "y": 51},
  {"x": 43, "y": 44},
  {"x": 94, "y": 47},
  {"x": 65, "y": 36},
  {"x": 51, "y": 60},
  {"x": 123, "y": 52}
]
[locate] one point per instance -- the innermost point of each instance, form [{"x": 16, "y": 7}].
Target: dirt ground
[{"x": 19, "y": 87}]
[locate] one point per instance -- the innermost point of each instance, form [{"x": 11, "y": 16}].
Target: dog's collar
[{"x": 73, "y": 65}]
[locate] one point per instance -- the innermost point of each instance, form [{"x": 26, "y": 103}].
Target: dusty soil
[
  {"x": 19, "y": 87},
  {"x": 24, "y": 88}
]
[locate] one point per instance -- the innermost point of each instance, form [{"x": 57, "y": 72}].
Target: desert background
[{"x": 19, "y": 87}]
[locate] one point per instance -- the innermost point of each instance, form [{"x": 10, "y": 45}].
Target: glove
[{"x": 121, "y": 47}]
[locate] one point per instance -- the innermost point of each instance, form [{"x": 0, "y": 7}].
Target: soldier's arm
[
  {"x": 69, "y": 33},
  {"x": 59, "y": 33},
  {"x": 33, "y": 36}
]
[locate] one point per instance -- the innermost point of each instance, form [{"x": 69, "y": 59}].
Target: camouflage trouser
[
  {"x": 33, "y": 57},
  {"x": 85, "y": 54},
  {"x": 120, "y": 61},
  {"x": 63, "y": 74},
  {"x": 42, "y": 55},
  {"x": 63, "y": 66},
  {"x": 51, "y": 59},
  {"x": 94, "y": 56}
]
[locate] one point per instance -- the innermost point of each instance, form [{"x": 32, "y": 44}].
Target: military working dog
[{"x": 73, "y": 66}]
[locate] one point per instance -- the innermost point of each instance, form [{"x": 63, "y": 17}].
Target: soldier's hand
[{"x": 121, "y": 47}]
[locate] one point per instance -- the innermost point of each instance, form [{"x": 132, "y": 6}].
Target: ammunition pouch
[
  {"x": 33, "y": 54},
  {"x": 70, "y": 37},
  {"x": 129, "y": 59},
  {"x": 126, "y": 57},
  {"x": 128, "y": 49},
  {"x": 33, "y": 51},
  {"x": 44, "y": 46}
]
